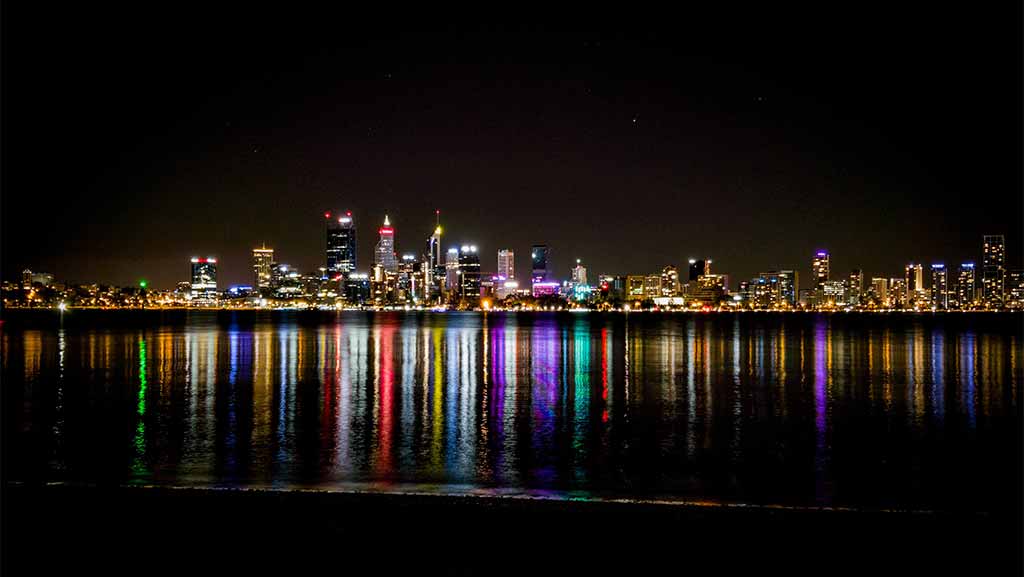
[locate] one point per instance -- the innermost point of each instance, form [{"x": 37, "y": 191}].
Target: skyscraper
[
  {"x": 469, "y": 273},
  {"x": 698, "y": 268},
  {"x": 384, "y": 254},
  {"x": 435, "y": 264},
  {"x": 913, "y": 276},
  {"x": 965, "y": 295},
  {"x": 341, "y": 244},
  {"x": 820, "y": 270},
  {"x": 669, "y": 281},
  {"x": 262, "y": 263},
  {"x": 451, "y": 270},
  {"x": 506, "y": 264},
  {"x": 993, "y": 272},
  {"x": 539, "y": 255},
  {"x": 579, "y": 274},
  {"x": 855, "y": 287},
  {"x": 204, "y": 279},
  {"x": 940, "y": 294},
  {"x": 880, "y": 290}
]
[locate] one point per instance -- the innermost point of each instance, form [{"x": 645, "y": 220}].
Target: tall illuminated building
[
  {"x": 469, "y": 273},
  {"x": 993, "y": 271},
  {"x": 539, "y": 255},
  {"x": 940, "y": 292},
  {"x": 579, "y": 274},
  {"x": 435, "y": 263},
  {"x": 262, "y": 265},
  {"x": 506, "y": 264},
  {"x": 913, "y": 276},
  {"x": 965, "y": 294},
  {"x": 820, "y": 270},
  {"x": 855, "y": 287},
  {"x": 880, "y": 290},
  {"x": 669, "y": 281},
  {"x": 341, "y": 244},
  {"x": 204, "y": 279},
  {"x": 451, "y": 270},
  {"x": 384, "y": 253},
  {"x": 898, "y": 293}
]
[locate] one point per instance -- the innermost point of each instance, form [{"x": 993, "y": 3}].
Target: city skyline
[{"x": 593, "y": 141}]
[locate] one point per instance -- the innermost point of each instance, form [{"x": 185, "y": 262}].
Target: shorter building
[
  {"x": 204, "y": 280},
  {"x": 356, "y": 288}
]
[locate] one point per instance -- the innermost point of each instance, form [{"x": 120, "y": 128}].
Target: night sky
[{"x": 133, "y": 141}]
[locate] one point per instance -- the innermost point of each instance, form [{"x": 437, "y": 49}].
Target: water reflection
[{"x": 797, "y": 408}]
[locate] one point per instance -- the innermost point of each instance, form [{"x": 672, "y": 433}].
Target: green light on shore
[{"x": 143, "y": 283}]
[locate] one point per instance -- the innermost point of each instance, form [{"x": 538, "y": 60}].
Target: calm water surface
[{"x": 797, "y": 409}]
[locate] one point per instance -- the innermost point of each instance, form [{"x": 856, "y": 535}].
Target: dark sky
[{"x": 134, "y": 140}]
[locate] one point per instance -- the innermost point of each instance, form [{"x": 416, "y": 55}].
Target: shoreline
[{"x": 468, "y": 535}]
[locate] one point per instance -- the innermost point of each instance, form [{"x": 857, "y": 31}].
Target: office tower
[
  {"x": 406, "y": 284},
  {"x": 451, "y": 270},
  {"x": 1014, "y": 289},
  {"x": 539, "y": 255},
  {"x": 579, "y": 274},
  {"x": 854, "y": 287},
  {"x": 914, "y": 281},
  {"x": 789, "y": 282},
  {"x": 993, "y": 272},
  {"x": 669, "y": 281},
  {"x": 635, "y": 286},
  {"x": 940, "y": 294},
  {"x": 204, "y": 279},
  {"x": 773, "y": 289},
  {"x": 435, "y": 263},
  {"x": 833, "y": 293},
  {"x": 698, "y": 268},
  {"x": 820, "y": 270},
  {"x": 469, "y": 273},
  {"x": 898, "y": 293},
  {"x": 965, "y": 293},
  {"x": 26, "y": 279},
  {"x": 652, "y": 286},
  {"x": 506, "y": 264},
  {"x": 880, "y": 290},
  {"x": 341, "y": 244},
  {"x": 262, "y": 263},
  {"x": 356, "y": 288},
  {"x": 384, "y": 253}
]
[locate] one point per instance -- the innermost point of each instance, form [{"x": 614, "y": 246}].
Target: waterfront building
[
  {"x": 709, "y": 289},
  {"x": 697, "y": 269},
  {"x": 507, "y": 264},
  {"x": 833, "y": 294},
  {"x": 993, "y": 272},
  {"x": 965, "y": 291},
  {"x": 262, "y": 263},
  {"x": 341, "y": 244},
  {"x": 820, "y": 271},
  {"x": 469, "y": 273},
  {"x": 539, "y": 257},
  {"x": 669, "y": 281},
  {"x": 635, "y": 287},
  {"x": 1014, "y": 289},
  {"x": 898, "y": 295},
  {"x": 880, "y": 291},
  {"x": 435, "y": 263},
  {"x": 913, "y": 275},
  {"x": 855, "y": 287},
  {"x": 356, "y": 288},
  {"x": 384, "y": 253},
  {"x": 579, "y": 274},
  {"x": 451, "y": 270},
  {"x": 203, "y": 288},
  {"x": 940, "y": 292},
  {"x": 652, "y": 286}
]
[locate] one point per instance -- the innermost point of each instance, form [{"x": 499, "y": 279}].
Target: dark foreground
[{"x": 122, "y": 531}]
